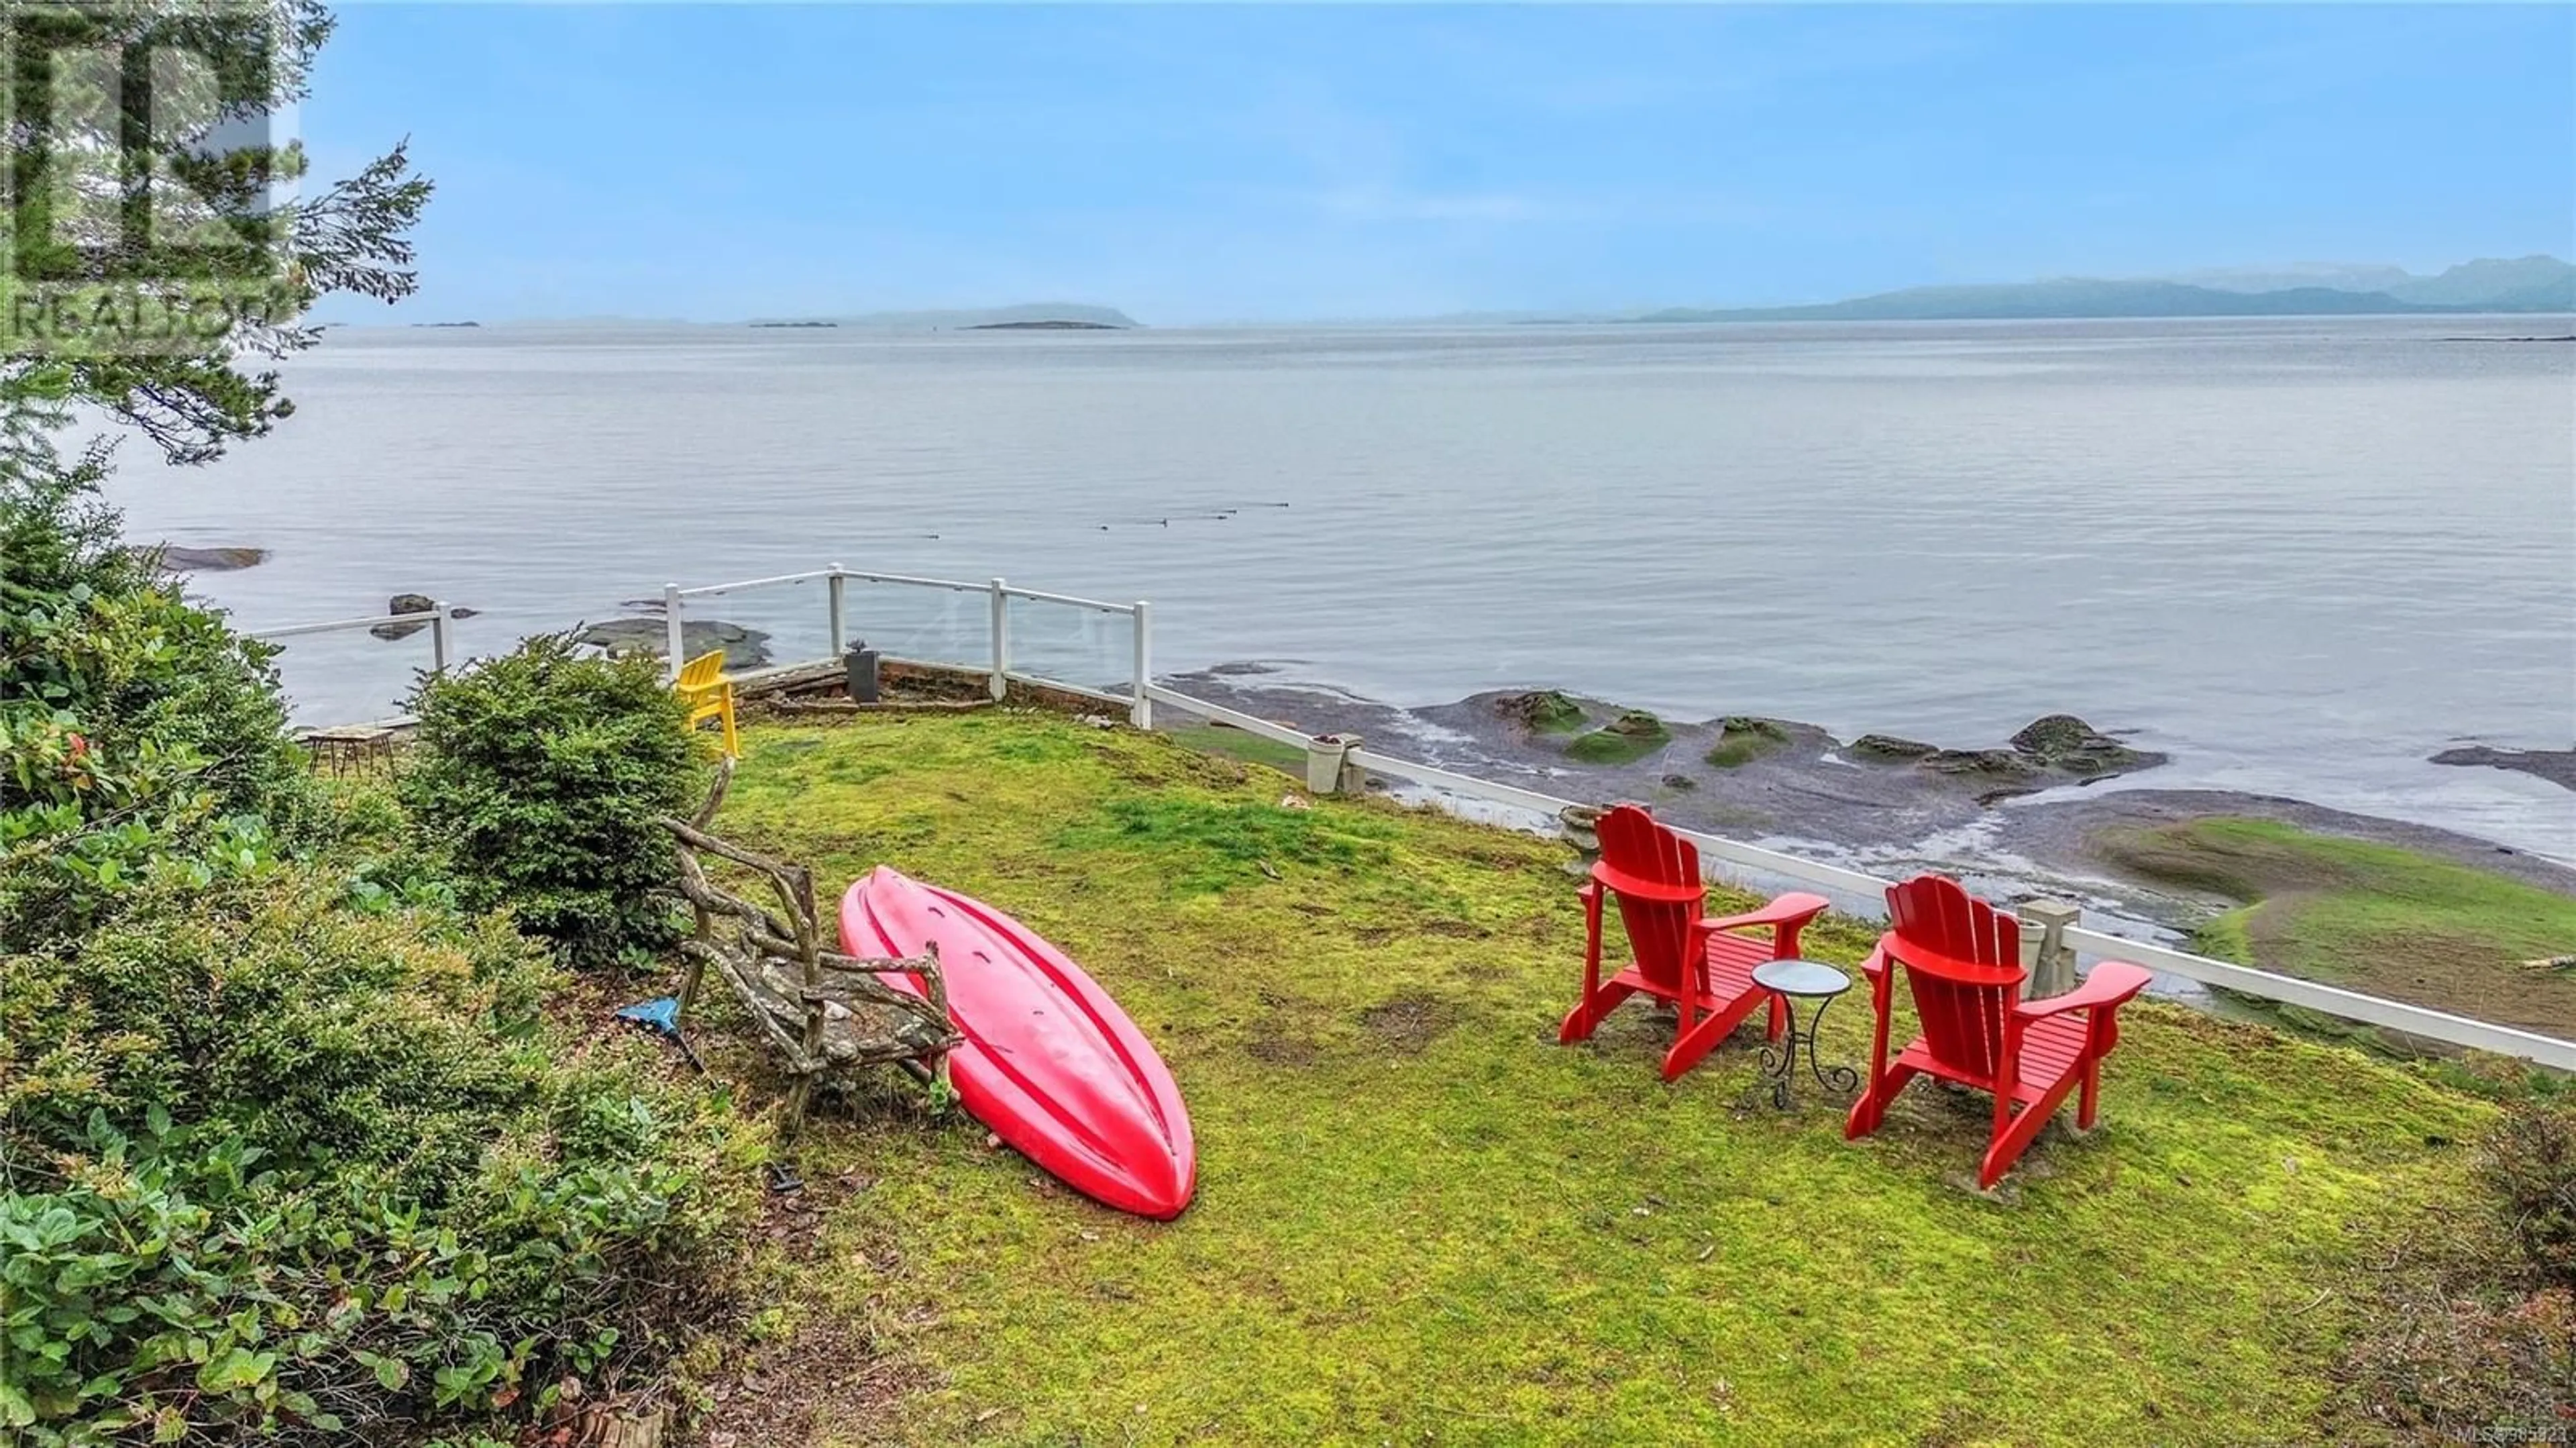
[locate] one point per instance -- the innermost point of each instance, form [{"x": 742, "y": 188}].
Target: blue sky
[{"x": 1202, "y": 163}]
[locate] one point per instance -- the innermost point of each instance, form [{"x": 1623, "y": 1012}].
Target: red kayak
[{"x": 1050, "y": 1063}]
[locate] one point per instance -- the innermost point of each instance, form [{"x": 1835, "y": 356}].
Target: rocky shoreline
[
  {"x": 2558, "y": 766},
  {"x": 1740, "y": 774},
  {"x": 1881, "y": 802},
  {"x": 744, "y": 647}
]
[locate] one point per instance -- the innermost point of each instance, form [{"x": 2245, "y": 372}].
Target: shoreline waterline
[
  {"x": 2298, "y": 557},
  {"x": 1452, "y": 732}
]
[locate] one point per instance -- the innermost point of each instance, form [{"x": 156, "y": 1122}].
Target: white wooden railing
[
  {"x": 1856, "y": 890},
  {"x": 439, "y": 617}
]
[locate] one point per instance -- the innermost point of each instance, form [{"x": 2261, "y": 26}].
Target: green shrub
[
  {"x": 380, "y": 1043},
  {"x": 539, "y": 777},
  {"x": 289, "y": 1151},
  {"x": 281, "y": 1169},
  {"x": 138, "y": 735},
  {"x": 180, "y": 1285}
]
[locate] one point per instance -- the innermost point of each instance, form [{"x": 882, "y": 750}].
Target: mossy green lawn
[
  {"x": 1242, "y": 744},
  {"x": 1421, "y": 1220},
  {"x": 2374, "y": 917}
]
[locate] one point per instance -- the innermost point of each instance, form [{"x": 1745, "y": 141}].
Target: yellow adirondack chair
[{"x": 709, "y": 695}]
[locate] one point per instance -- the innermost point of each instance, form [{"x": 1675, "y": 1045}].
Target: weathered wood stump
[{"x": 820, "y": 1012}]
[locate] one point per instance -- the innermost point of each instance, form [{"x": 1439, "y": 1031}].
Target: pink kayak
[{"x": 1050, "y": 1063}]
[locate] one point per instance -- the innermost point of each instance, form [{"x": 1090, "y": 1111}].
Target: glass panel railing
[
  {"x": 343, "y": 677},
  {"x": 1065, "y": 643},
  {"x": 915, "y": 621},
  {"x": 351, "y": 677},
  {"x": 789, "y": 622}
]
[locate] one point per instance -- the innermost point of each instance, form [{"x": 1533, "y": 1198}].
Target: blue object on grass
[{"x": 662, "y": 1015}]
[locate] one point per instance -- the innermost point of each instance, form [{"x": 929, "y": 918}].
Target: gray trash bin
[{"x": 861, "y": 662}]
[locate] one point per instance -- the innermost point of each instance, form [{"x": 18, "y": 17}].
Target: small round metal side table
[{"x": 1794, "y": 981}]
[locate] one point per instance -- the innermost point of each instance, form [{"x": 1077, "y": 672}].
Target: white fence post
[
  {"x": 673, "y": 634},
  {"x": 1140, "y": 711},
  {"x": 840, "y": 629},
  {"x": 1001, "y": 640},
  {"x": 438, "y": 618}
]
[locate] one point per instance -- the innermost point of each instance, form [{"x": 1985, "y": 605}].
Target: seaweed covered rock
[
  {"x": 1633, "y": 735},
  {"x": 2059, "y": 745},
  {"x": 1545, "y": 711},
  {"x": 1890, "y": 747},
  {"x": 1743, "y": 738},
  {"x": 2062, "y": 741},
  {"x": 1998, "y": 763}
]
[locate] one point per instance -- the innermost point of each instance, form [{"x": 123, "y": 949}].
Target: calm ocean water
[{"x": 2300, "y": 555}]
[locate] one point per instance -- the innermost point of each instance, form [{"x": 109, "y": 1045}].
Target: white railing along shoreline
[
  {"x": 2226, "y": 975},
  {"x": 1144, "y": 694},
  {"x": 1138, "y": 701},
  {"x": 438, "y": 617}
]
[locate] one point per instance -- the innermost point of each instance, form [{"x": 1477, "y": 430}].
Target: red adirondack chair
[
  {"x": 1962, "y": 959},
  {"x": 1697, "y": 964}
]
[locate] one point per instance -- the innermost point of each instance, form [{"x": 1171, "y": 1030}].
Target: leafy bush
[
  {"x": 539, "y": 777},
  {"x": 2529, "y": 1160},
  {"x": 137, "y": 734},
  {"x": 290, "y": 1152},
  {"x": 380, "y": 1042},
  {"x": 284, "y": 1169}
]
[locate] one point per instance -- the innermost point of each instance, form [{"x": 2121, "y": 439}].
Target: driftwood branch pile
[{"x": 818, "y": 1010}]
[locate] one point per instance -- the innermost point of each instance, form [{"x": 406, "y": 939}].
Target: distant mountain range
[
  {"x": 2526, "y": 284},
  {"x": 2522, "y": 284}
]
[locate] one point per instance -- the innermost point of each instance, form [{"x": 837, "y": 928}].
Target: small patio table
[{"x": 1794, "y": 981}]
